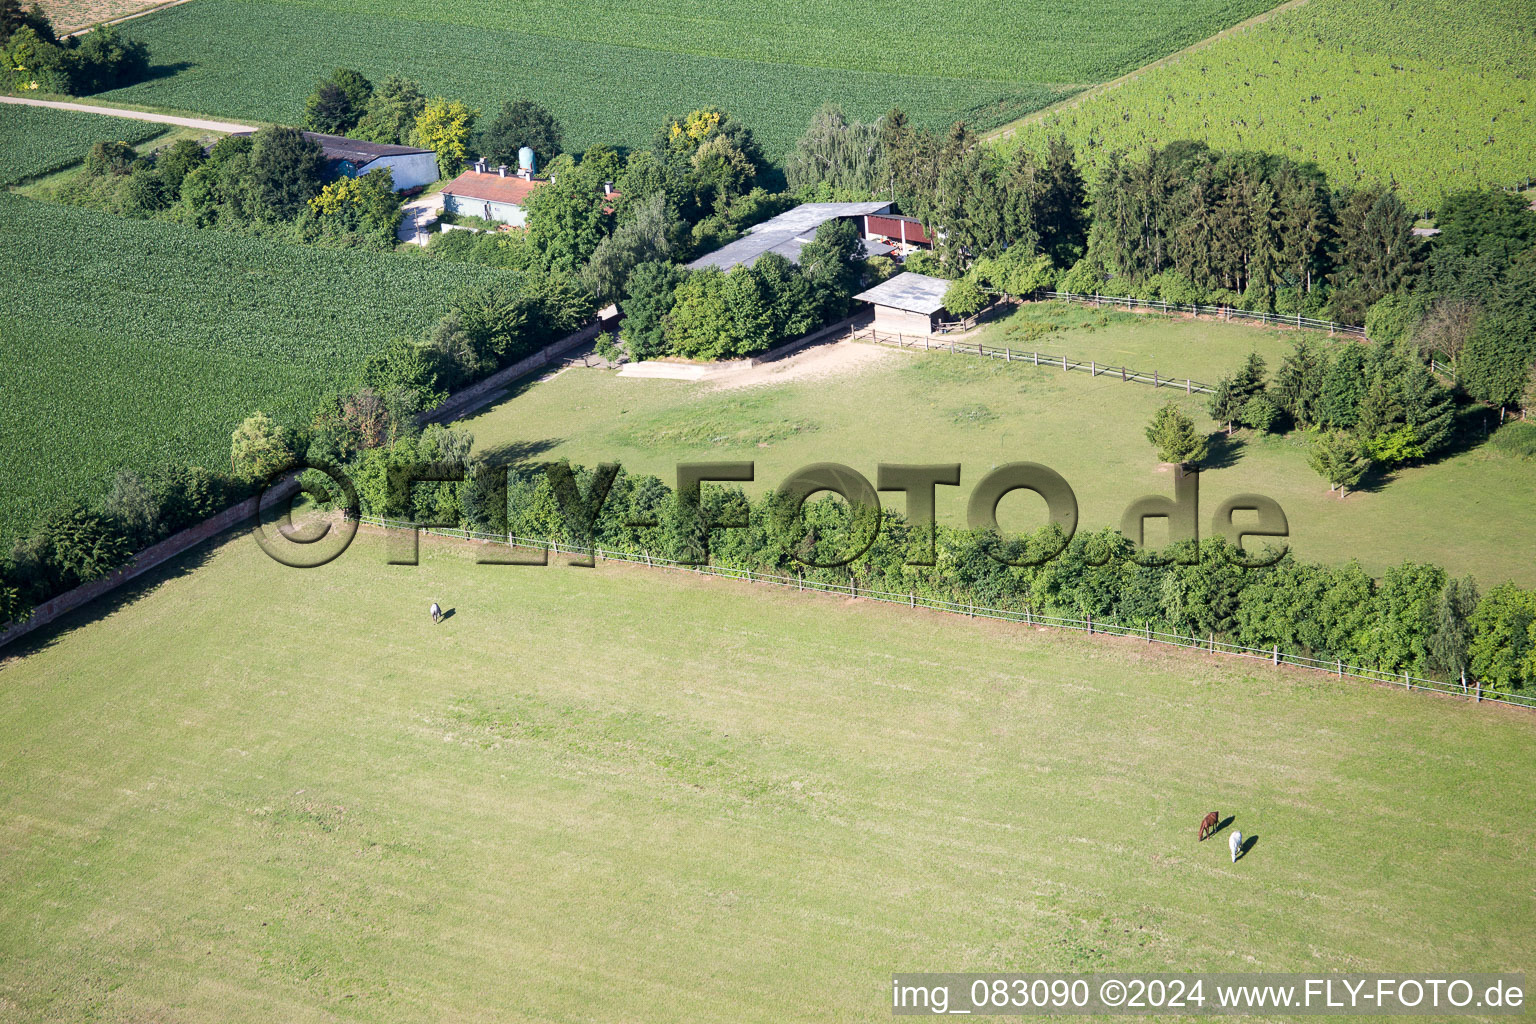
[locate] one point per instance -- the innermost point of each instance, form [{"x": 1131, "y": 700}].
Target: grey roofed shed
[
  {"x": 785, "y": 234},
  {"x": 907, "y": 302}
]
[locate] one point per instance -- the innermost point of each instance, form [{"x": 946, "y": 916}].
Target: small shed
[{"x": 907, "y": 303}]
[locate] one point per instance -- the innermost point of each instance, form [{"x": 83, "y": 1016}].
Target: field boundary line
[
  {"x": 80, "y": 30},
  {"x": 1072, "y": 102},
  {"x": 1464, "y": 691},
  {"x": 143, "y": 561}
]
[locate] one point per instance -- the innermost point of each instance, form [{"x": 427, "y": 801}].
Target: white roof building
[{"x": 789, "y": 232}]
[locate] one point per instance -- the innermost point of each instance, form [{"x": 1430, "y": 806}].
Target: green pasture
[
  {"x": 254, "y": 793},
  {"x": 1469, "y": 512}
]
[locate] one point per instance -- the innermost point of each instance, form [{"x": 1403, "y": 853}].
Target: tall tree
[
  {"x": 287, "y": 170},
  {"x": 521, "y": 123},
  {"x": 392, "y": 111},
  {"x": 1337, "y": 457},
  {"x": 338, "y": 102},
  {"x": 847, "y": 157},
  {"x": 1062, "y": 220},
  {"x": 1375, "y": 251},
  {"x": 1299, "y": 382}
]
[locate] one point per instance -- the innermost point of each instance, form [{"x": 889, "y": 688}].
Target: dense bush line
[
  {"x": 273, "y": 183},
  {"x": 34, "y": 59},
  {"x": 131, "y": 344}
]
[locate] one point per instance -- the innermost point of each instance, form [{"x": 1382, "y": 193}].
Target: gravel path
[{"x": 133, "y": 115}]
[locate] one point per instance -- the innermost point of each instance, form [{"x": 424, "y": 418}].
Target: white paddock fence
[
  {"x": 930, "y": 343},
  {"x": 1025, "y": 616},
  {"x": 1223, "y": 312}
]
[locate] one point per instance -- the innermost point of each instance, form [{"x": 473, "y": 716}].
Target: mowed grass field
[
  {"x": 612, "y": 72},
  {"x": 1470, "y": 512},
  {"x": 255, "y": 793},
  {"x": 1430, "y": 95}
]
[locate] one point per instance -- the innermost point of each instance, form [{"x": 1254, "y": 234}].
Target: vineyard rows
[{"x": 1432, "y": 96}]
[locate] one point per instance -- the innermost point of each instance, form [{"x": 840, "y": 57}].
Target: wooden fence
[
  {"x": 1092, "y": 367},
  {"x": 1222, "y": 312}
]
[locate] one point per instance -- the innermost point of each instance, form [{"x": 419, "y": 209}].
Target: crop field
[
  {"x": 203, "y": 328},
  {"x": 36, "y": 140},
  {"x": 1431, "y": 95},
  {"x": 256, "y": 793},
  {"x": 614, "y": 71},
  {"x": 1469, "y": 512}
]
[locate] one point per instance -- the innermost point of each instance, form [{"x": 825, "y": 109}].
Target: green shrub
[{"x": 1518, "y": 437}]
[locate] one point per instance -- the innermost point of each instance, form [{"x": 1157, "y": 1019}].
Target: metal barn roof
[
  {"x": 355, "y": 151},
  {"x": 914, "y": 293},
  {"x": 785, "y": 234}
]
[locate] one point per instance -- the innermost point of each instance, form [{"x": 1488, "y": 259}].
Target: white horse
[
  {"x": 1235, "y": 844},
  {"x": 437, "y": 613}
]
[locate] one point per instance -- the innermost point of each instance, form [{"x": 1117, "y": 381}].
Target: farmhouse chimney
[
  {"x": 607, "y": 188},
  {"x": 502, "y": 170}
]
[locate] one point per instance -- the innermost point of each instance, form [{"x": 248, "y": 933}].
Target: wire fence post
[{"x": 1276, "y": 655}]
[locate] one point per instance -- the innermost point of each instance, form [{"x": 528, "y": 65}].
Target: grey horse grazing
[
  {"x": 1235, "y": 844},
  {"x": 437, "y": 613}
]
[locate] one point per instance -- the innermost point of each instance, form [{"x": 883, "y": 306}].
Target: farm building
[
  {"x": 491, "y": 194},
  {"x": 789, "y": 232},
  {"x": 903, "y": 234},
  {"x": 352, "y": 158},
  {"x": 907, "y": 303}
]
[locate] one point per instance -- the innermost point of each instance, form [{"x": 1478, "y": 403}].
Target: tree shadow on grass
[
  {"x": 1223, "y": 451},
  {"x": 158, "y": 71},
  {"x": 185, "y": 564},
  {"x": 518, "y": 454}
]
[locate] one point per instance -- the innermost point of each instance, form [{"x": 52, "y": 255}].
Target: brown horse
[{"x": 1207, "y": 825}]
